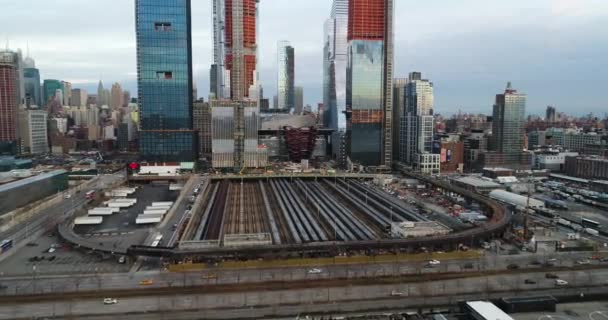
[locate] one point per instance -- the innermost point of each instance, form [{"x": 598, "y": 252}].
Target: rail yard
[{"x": 300, "y": 213}]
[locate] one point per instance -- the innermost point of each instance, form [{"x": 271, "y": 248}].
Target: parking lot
[
  {"x": 123, "y": 222},
  {"x": 35, "y": 259}
]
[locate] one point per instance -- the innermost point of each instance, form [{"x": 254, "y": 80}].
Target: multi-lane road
[
  {"x": 260, "y": 303},
  {"x": 212, "y": 276}
]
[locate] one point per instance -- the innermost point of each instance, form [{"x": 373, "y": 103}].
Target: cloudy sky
[{"x": 556, "y": 51}]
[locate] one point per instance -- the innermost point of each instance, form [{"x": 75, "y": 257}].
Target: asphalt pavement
[
  {"x": 114, "y": 281},
  {"x": 260, "y": 304}
]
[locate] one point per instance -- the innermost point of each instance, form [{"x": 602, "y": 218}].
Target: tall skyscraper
[
  {"x": 126, "y": 98},
  {"x": 165, "y": 80},
  {"x": 508, "y": 121},
  {"x": 116, "y": 97},
  {"x": 31, "y": 79},
  {"x": 101, "y": 95},
  {"x": 218, "y": 69},
  {"x": 49, "y": 88},
  {"x": 66, "y": 93},
  {"x": 234, "y": 123},
  {"x": 8, "y": 102},
  {"x": 285, "y": 75},
  {"x": 550, "y": 116},
  {"x": 299, "y": 100},
  {"x": 369, "y": 82},
  {"x": 79, "y": 97},
  {"x": 240, "y": 45},
  {"x": 18, "y": 63},
  {"x": 335, "y": 58},
  {"x": 398, "y": 112},
  {"x": 416, "y": 125}
]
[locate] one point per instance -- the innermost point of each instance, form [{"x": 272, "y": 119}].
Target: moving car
[
  {"x": 512, "y": 266},
  {"x": 110, "y": 301},
  {"x": 434, "y": 262},
  {"x": 583, "y": 262},
  {"x": 122, "y": 259},
  {"x": 314, "y": 271},
  {"x": 396, "y": 293},
  {"x": 146, "y": 282},
  {"x": 551, "y": 276},
  {"x": 560, "y": 282},
  {"x": 209, "y": 276},
  {"x": 468, "y": 265},
  {"x": 529, "y": 281}
]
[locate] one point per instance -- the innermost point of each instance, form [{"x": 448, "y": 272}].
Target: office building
[
  {"x": 8, "y": 103},
  {"x": 508, "y": 133},
  {"x": 335, "y": 59},
  {"x": 66, "y": 93},
  {"x": 299, "y": 100},
  {"x": 18, "y": 64},
  {"x": 370, "y": 82},
  {"x": 101, "y": 95},
  {"x": 398, "y": 113},
  {"x": 33, "y": 131},
  {"x": 579, "y": 141},
  {"x": 587, "y": 167},
  {"x": 31, "y": 79},
  {"x": 79, "y": 98},
  {"x": 165, "y": 80},
  {"x": 126, "y": 98},
  {"x": 285, "y": 75},
  {"x": 116, "y": 97},
  {"x": 416, "y": 125},
  {"x": 508, "y": 121},
  {"x": 550, "y": 114},
  {"x": 49, "y": 89}
]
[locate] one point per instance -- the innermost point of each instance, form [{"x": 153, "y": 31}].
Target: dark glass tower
[{"x": 164, "y": 78}]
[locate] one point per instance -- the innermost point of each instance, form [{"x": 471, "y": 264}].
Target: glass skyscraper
[
  {"x": 285, "y": 75},
  {"x": 334, "y": 65},
  {"x": 164, "y": 77},
  {"x": 49, "y": 88},
  {"x": 369, "y": 83},
  {"x": 508, "y": 121}
]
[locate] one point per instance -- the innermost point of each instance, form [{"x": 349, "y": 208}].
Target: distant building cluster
[{"x": 369, "y": 120}]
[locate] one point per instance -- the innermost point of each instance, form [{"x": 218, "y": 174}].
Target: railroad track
[{"x": 214, "y": 225}]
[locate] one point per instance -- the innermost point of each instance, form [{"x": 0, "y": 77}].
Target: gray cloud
[{"x": 554, "y": 50}]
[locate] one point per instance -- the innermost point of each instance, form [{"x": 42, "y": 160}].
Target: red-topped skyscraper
[{"x": 240, "y": 45}]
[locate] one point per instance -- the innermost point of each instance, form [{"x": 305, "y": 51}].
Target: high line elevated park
[{"x": 307, "y": 216}]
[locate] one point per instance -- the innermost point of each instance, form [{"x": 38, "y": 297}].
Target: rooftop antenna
[{"x": 27, "y": 48}]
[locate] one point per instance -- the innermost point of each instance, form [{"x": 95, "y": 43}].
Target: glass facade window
[
  {"x": 164, "y": 65},
  {"x": 365, "y": 74},
  {"x": 366, "y": 68}
]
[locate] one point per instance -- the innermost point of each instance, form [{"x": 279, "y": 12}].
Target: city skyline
[{"x": 470, "y": 43}]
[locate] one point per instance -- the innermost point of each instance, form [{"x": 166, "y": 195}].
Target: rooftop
[
  {"x": 478, "y": 182},
  {"x": 488, "y": 310}
]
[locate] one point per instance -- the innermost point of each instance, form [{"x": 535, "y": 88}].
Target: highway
[
  {"x": 258, "y": 304},
  {"x": 120, "y": 281}
]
